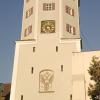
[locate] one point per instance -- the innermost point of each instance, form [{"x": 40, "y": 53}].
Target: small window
[
  {"x": 29, "y": 12},
  {"x": 72, "y": 12},
  {"x": 32, "y": 70},
  {"x": 27, "y": 1},
  {"x": 74, "y": 30},
  {"x": 21, "y": 97},
  {"x": 71, "y": 97},
  {"x": 28, "y": 31},
  {"x": 70, "y": 29},
  {"x": 62, "y": 68},
  {"x": 48, "y": 6},
  {"x": 56, "y": 48},
  {"x": 69, "y": 10},
  {"x": 34, "y": 49}
]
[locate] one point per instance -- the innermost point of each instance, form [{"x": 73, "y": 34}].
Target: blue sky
[
  {"x": 10, "y": 28},
  {"x": 90, "y": 24}
]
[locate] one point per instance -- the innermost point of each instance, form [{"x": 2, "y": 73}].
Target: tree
[{"x": 94, "y": 71}]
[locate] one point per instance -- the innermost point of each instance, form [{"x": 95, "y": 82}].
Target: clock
[{"x": 48, "y": 26}]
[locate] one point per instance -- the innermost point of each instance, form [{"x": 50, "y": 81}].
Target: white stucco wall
[
  {"x": 81, "y": 63},
  {"x": 45, "y": 57}
]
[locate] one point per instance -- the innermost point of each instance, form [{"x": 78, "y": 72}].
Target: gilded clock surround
[{"x": 48, "y": 26}]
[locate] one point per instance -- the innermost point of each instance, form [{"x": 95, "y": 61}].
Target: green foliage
[
  {"x": 94, "y": 71},
  {"x": 1, "y": 87}
]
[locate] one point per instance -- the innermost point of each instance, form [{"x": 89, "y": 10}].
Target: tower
[{"x": 43, "y": 56}]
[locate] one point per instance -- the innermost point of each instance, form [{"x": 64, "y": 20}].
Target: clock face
[{"x": 48, "y": 26}]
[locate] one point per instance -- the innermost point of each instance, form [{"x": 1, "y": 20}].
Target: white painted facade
[
  {"x": 81, "y": 63},
  {"x": 48, "y": 66}
]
